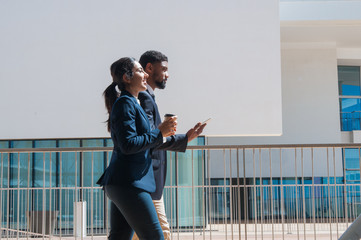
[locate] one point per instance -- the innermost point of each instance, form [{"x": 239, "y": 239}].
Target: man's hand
[{"x": 195, "y": 131}]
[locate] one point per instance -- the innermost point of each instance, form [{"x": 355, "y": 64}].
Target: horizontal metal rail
[{"x": 201, "y": 147}]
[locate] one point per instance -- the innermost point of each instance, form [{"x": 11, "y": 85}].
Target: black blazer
[
  {"x": 177, "y": 143},
  {"x": 133, "y": 138}
]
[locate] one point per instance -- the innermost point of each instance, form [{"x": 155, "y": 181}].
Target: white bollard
[{"x": 80, "y": 219}]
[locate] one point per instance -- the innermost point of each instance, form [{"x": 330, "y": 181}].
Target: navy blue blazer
[
  {"x": 133, "y": 138},
  {"x": 176, "y": 143}
]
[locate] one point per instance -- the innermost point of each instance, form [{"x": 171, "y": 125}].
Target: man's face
[{"x": 160, "y": 74}]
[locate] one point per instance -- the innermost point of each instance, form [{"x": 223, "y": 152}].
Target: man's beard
[{"x": 161, "y": 85}]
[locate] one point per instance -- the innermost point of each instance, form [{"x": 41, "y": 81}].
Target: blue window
[
  {"x": 350, "y": 97},
  {"x": 349, "y": 80},
  {"x": 350, "y": 114}
]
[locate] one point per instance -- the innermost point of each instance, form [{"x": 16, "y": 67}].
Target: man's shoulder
[
  {"x": 145, "y": 97},
  {"x": 144, "y": 94}
]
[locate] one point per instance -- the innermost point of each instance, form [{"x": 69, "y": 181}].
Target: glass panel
[
  {"x": 93, "y": 161},
  {"x": 220, "y": 197},
  {"x": 5, "y": 164},
  {"x": 352, "y": 158},
  {"x": 350, "y": 114},
  {"x": 92, "y": 142},
  {"x": 339, "y": 180},
  {"x": 109, "y": 142},
  {"x": 349, "y": 80},
  {"x": 21, "y": 144},
  {"x": 44, "y": 143},
  {"x": 353, "y": 177},
  {"x": 19, "y": 164},
  {"x": 70, "y": 162},
  {"x": 50, "y": 159},
  {"x": 287, "y": 181},
  {"x": 4, "y": 144},
  {"x": 69, "y": 143}
]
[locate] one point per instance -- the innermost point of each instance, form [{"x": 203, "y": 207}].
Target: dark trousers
[{"x": 132, "y": 208}]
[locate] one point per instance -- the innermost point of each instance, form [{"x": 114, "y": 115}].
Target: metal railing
[{"x": 213, "y": 192}]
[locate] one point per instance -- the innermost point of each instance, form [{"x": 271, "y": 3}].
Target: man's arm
[
  {"x": 179, "y": 142},
  {"x": 176, "y": 143},
  {"x": 195, "y": 131}
]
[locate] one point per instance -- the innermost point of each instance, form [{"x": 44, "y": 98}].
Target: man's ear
[{"x": 148, "y": 68}]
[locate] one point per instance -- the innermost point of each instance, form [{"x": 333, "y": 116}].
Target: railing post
[
  {"x": 282, "y": 197},
  {"x": 1, "y": 193},
  {"x": 254, "y": 192},
  {"x": 245, "y": 195},
  {"x": 296, "y": 181},
  {"x": 328, "y": 191},
  {"x": 313, "y": 196}
]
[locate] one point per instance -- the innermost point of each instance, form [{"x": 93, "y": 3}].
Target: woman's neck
[{"x": 133, "y": 92}]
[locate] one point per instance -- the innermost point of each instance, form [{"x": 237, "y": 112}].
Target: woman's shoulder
[
  {"x": 124, "y": 99},
  {"x": 124, "y": 102}
]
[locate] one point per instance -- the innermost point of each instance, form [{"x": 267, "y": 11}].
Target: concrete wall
[
  {"x": 55, "y": 58},
  {"x": 296, "y": 10},
  {"x": 310, "y": 115},
  {"x": 309, "y": 99}
]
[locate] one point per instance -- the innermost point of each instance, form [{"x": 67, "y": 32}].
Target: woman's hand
[{"x": 168, "y": 127}]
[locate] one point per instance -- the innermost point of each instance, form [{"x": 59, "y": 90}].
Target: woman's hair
[{"x": 117, "y": 70}]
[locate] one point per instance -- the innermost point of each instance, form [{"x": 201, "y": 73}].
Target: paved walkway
[
  {"x": 223, "y": 232},
  {"x": 183, "y": 236}
]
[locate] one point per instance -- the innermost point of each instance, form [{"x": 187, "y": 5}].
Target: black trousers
[{"x": 132, "y": 209}]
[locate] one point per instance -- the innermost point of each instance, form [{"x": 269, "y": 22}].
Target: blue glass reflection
[
  {"x": 350, "y": 90},
  {"x": 350, "y": 114},
  {"x": 352, "y": 160},
  {"x": 349, "y": 80}
]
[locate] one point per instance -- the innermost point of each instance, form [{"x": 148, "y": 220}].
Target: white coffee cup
[{"x": 169, "y": 115}]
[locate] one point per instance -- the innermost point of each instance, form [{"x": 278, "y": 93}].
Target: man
[{"x": 155, "y": 64}]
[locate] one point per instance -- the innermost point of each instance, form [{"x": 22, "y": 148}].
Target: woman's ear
[{"x": 126, "y": 79}]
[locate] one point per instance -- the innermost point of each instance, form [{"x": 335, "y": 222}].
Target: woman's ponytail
[
  {"x": 110, "y": 96},
  {"x": 117, "y": 70}
]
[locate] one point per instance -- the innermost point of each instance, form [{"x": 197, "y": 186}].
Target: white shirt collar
[{"x": 150, "y": 90}]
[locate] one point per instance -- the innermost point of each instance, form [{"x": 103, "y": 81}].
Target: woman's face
[{"x": 138, "y": 82}]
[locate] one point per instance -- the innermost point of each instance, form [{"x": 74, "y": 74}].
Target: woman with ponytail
[{"x": 128, "y": 180}]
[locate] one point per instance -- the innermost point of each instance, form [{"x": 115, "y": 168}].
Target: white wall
[
  {"x": 310, "y": 115},
  {"x": 55, "y": 58},
  {"x": 320, "y": 10},
  {"x": 309, "y": 99}
]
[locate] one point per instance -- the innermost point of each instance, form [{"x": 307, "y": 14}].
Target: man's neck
[
  {"x": 151, "y": 84},
  {"x": 150, "y": 89}
]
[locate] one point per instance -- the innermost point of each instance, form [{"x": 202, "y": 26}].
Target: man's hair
[{"x": 152, "y": 57}]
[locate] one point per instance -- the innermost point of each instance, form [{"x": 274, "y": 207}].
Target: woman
[{"x": 128, "y": 180}]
